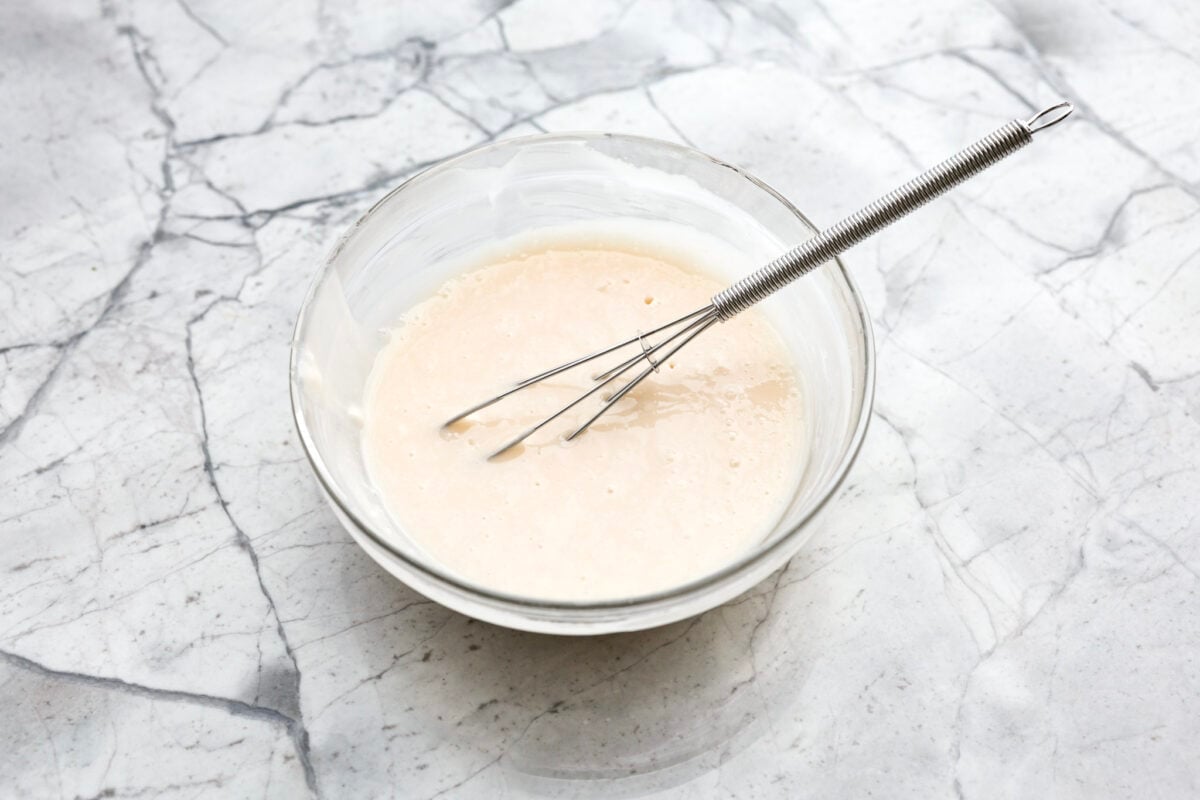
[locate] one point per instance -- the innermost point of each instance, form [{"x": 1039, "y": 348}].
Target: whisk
[{"x": 658, "y": 345}]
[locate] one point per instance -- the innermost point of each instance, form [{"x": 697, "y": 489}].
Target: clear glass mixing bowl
[{"x": 412, "y": 239}]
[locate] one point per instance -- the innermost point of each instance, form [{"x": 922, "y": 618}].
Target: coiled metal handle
[{"x": 878, "y": 215}]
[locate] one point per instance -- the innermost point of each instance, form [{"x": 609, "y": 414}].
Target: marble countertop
[{"x": 1002, "y": 602}]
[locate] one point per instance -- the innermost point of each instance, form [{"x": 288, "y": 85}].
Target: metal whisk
[{"x": 796, "y": 262}]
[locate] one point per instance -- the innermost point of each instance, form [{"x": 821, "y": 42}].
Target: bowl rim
[{"x": 747, "y": 561}]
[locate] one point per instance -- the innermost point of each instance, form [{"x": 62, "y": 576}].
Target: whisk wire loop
[{"x": 692, "y": 325}]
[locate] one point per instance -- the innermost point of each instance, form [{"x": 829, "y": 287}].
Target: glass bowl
[{"x": 405, "y": 246}]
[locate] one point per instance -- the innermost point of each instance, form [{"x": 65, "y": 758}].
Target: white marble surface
[{"x": 1003, "y": 602}]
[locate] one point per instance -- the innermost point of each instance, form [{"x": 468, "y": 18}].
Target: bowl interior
[{"x": 428, "y": 229}]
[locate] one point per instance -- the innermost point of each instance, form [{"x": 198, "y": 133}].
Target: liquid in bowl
[{"x": 680, "y": 477}]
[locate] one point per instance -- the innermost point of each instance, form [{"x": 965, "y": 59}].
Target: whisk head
[{"x": 653, "y": 347}]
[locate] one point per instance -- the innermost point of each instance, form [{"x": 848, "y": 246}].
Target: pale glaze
[{"x": 684, "y": 475}]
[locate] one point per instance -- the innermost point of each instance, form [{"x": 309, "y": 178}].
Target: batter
[{"x": 680, "y": 477}]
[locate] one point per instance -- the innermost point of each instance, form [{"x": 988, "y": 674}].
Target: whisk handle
[{"x": 871, "y": 219}]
